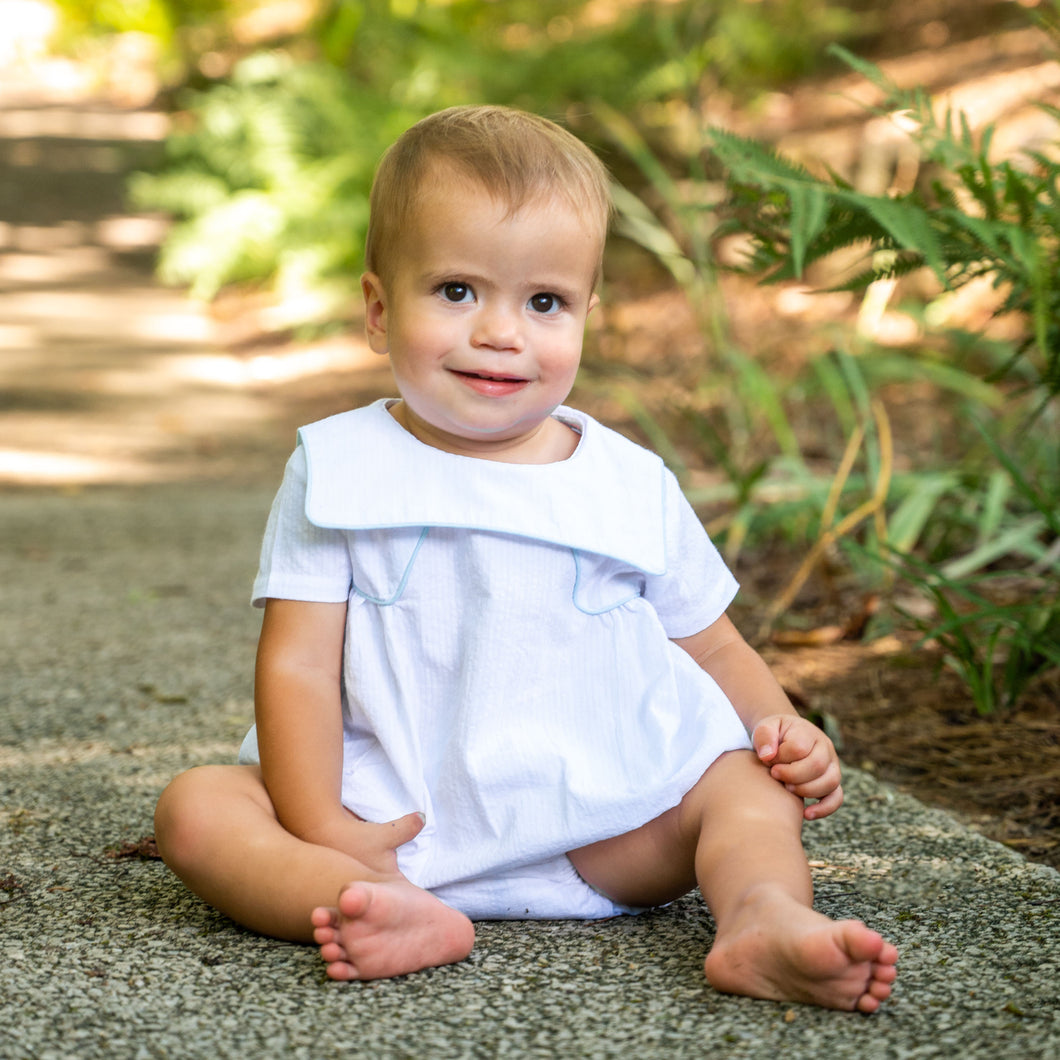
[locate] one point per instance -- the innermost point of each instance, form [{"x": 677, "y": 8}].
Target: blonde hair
[{"x": 516, "y": 156}]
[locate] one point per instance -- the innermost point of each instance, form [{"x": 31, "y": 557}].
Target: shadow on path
[{"x": 105, "y": 375}]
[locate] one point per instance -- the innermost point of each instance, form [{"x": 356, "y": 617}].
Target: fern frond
[
  {"x": 944, "y": 196},
  {"x": 900, "y": 266},
  {"x": 809, "y": 213},
  {"x": 909, "y": 226},
  {"x": 997, "y": 219},
  {"x": 1018, "y": 194},
  {"x": 868, "y": 70},
  {"x": 753, "y": 162}
]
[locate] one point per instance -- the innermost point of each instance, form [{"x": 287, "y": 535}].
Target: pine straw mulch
[{"x": 904, "y": 717}]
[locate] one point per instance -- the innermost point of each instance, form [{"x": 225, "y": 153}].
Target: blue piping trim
[
  {"x": 404, "y": 578},
  {"x": 577, "y": 586}
]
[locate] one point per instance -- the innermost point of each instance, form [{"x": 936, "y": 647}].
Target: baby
[{"x": 495, "y": 677}]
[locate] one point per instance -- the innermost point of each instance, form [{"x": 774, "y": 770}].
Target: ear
[
  {"x": 375, "y": 312},
  {"x": 594, "y": 301}
]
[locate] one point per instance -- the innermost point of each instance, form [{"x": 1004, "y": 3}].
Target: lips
[
  {"x": 490, "y": 384},
  {"x": 494, "y": 378}
]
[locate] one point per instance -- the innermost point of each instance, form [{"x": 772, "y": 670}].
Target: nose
[{"x": 497, "y": 327}]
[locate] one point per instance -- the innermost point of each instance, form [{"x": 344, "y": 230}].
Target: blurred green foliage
[
  {"x": 179, "y": 28},
  {"x": 269, "y": 173},
  {"x": 975, "y": 217},
  {"x": 268, "y": 170},
  {"x": 269, "y": 182}
]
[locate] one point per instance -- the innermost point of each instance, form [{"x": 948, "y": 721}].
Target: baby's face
[{"x": 483, "y": 316}]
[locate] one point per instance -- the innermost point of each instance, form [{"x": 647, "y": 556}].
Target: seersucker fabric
[{"x": 508, "y": 669}]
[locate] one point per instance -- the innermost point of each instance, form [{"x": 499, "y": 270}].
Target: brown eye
[
  {"x": 456, "y": 292},
  {"x": 545, "y": 303}
]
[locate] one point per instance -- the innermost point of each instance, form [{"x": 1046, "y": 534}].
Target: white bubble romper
[{"x": 508, "y": 667}]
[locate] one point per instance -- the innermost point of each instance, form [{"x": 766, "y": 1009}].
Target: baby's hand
[
  {"x": 803, "y": 759},
  {"x": 373, "y": 845}
]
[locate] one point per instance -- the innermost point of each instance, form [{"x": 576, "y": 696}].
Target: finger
[
  {"x": 403, "y": 829},
  {"x": 816, "y": 787},
  {"x": 815, "y": 766},
  {"x": 801, "y": 740},
  {"x": 829, "y": 804},
  {"x": 766, "y": 739},
  {"x": 805, "y": 770}
]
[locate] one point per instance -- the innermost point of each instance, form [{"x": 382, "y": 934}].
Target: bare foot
[
  {"x": 379, "y": 930},
  {"x": 779, "y": 949}
]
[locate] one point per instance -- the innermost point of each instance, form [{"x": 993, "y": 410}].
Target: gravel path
[{"x": 127, "y": 646}]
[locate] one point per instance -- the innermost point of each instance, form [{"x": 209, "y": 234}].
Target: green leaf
[
  {"x": 882, "y": 367},
  {"x": 1022, "y": 539},
  {"x": 752, "y": 161},
  {"x": 656, "y": 432},
  {"x": 870, "y": 71},
  {"x": 1045, "y": 501},
  {"x": 809, "y": 212},
  {"x": 760, "y": 392},
  {"x": 995, "y": 503},
  {"x": 629, "y": 138},
  {"x": 910, "y": 227},
  {"x": 908, "y": 520},
  {"x": 636, "y": 222}
]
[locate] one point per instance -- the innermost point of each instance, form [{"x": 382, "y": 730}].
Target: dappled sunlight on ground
[
  {"x": 105, "y": 375},
  {"x": 108, "y": 378}
]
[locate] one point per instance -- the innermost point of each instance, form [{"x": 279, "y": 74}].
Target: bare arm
[
  {"x": 798, "y": 754},
  {"x": 740, "y": 671},
  {"x": 298, "y": 709}
]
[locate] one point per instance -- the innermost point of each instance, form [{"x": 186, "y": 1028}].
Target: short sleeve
[
  {"x": 697, "y": 586},
  {"x": 300, "y": 561}
]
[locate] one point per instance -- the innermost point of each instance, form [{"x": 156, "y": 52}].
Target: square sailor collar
[{"x": 365, "y": 471}]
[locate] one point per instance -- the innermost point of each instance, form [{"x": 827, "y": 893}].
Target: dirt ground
[
  {"x": 107, "y": 378},
  {"x": 887, "y": 699},
  {"x": 903, "y": 716}
]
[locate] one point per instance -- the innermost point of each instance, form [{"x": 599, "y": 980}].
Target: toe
[
  {"x": 880, "y": 991},
  {"x": 354, "y": 900},
  {"x": 341, "y": 971},
  {"x": 323, "y": 935},
  {"x": 323, "y": 917},
  {"x": 867, "y": 1003},
  {"x": 862, "y": 943},
  {"x": 332, "y": 952}
]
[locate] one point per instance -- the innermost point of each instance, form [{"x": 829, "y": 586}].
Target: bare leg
[
  {"x": 216, "y": 829},
  {"x": 738, "y": 834}
]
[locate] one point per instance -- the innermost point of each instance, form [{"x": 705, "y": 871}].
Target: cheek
[
  {"x": 563, "y": 352},
  {"x": 418, "y": 343}
]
